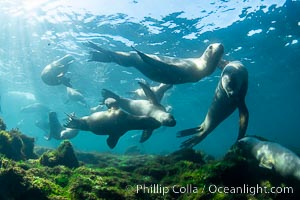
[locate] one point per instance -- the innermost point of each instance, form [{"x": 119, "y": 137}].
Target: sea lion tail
[
  {"x": 109, "y": 94},
  {"x": 190, "y": 131}
]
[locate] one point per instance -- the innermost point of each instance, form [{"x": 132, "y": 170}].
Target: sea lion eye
[{"x": 210, "y": 47}]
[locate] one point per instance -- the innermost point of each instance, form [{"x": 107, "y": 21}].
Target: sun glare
[{"x": 30, "y": 5}]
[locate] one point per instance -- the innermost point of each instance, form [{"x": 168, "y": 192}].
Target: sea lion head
[
  {"x": 167, "y": 119},
  {"x": 213, "y": 54},
  {"x": 228, "y": 85},
  {"x": 232, "y": 80}
]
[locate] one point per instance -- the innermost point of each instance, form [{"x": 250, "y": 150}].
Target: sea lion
[
  {"x": 37, "y": 108},
  {"x": 113, "y": 122},
  {"x": 75, "y": 96},
  {"x": 229, "y": 95},
  {"x": 57, "y": 131},
  {"x": 159, "y": 91},
  {"x": 54, "y": 73},
  {"x": 151, "y": 108},
  {"x": 163, "y": 69},
  {"x": 272, "y": 156}
]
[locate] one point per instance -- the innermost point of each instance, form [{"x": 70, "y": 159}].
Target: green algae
[{"x": 184, "y": 174}]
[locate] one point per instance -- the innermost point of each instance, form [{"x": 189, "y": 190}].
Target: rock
[{"x": 64, "y": 155}]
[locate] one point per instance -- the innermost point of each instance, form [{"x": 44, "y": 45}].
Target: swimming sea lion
[
  {"x": 54, "y": 73},
  {"x": 150, "y": 108},
  {"x": 229, "y": 95},
  {"x": 273, "y": 156},
  {"x": 76, "y": 96},
  {"x": 57, "y": 131},
  {"x": 114, "y": 122},
  {"x": 168, "y": 70},
  {"x": 37, "y": 108}
]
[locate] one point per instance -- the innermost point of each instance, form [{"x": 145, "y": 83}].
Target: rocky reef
[{"x": 62, "y": 174}]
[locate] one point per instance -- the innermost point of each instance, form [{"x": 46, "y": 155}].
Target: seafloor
[{"x": 29, "y": 172}]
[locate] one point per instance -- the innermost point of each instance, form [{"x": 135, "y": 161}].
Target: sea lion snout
[{"x": 169, "y": 121}]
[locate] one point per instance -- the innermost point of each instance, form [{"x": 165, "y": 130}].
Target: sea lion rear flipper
[
  {"x": 112, "y": 141},
  {"x": 149, "y": 93},
  {"x": 190, "y": 131},
  {"x": 243, "y": 122},
  {"x": 94, "y": 46},
  {"x": 146, "y": 135},
  {"x": 190, "y": 143},
  {"x": 109, "y": 94},
  {"x": 100, "y": 55}
]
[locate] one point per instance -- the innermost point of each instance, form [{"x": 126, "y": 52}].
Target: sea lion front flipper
[
  {"x": 152, "y": 61},
  {"x": 109, "y": 94},
  {"x": 149, "y": 93},
  {"x": 267, "y": 163},
  {"x": 54, "y": 126},
  {"x": 112, "y": 141},
  {"x": 146, "y": 135},
  {"x": 243, "y": 122}
]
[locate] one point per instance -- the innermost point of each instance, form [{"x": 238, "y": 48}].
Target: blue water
[{"x": 264, "y": 35}]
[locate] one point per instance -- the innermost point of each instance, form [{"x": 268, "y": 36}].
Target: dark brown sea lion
[{"x": 114, "y": 122}]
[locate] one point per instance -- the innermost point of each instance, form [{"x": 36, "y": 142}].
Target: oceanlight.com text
[{"x": 189, "y": 188}]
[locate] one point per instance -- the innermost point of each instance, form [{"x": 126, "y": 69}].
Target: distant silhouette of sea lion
[
  {"x": 229, "y": 95},
  {"x": 163, "y": 69},
  {"x": 114, "y": 122},
  {"x": 75, "y": 96},
  {"x": 273, "y": 156},
  {"x": 38, "y": 108},
  {"x": 54, "y": 73}
]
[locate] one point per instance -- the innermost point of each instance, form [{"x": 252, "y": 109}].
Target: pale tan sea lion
[
  {"x": 163, "y": 69},
  {"x": 54, "y": 73},
  {"x": 273, "y": 156}
]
